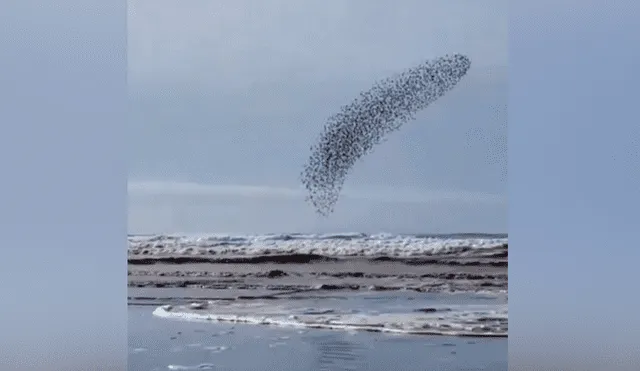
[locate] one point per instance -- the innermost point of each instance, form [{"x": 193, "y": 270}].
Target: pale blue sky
[{"x": 228, "y": 97}]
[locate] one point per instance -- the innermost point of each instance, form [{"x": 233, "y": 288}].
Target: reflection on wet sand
[{"x": 338, "y": 354}]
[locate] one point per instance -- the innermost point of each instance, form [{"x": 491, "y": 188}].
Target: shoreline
[
  {"x": 393, "y": 287},
  {"x": 156, "y": 343},
  {"x": 471, "y": 320}
]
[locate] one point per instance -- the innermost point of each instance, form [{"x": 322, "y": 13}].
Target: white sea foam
[
  {"x": 466, "y": 320},
  {"x": 277, "y": 344},
  {"x": 217, "y": 349},
  {"x": 337, "y": 244},
  {"x": 203, "y": 366}
]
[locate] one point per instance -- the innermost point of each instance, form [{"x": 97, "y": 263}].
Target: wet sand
[
  {"x": 280, "y": 289},
  {"x": 344, "y": 274},
  {"x": 160, "y": 344}
]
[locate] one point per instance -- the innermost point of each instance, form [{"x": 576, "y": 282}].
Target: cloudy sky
[{"x": 227, "y": 97}]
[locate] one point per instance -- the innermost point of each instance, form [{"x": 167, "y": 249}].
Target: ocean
[{"x": 318, "y": 302}]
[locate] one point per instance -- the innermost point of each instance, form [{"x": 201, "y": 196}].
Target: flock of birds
[{"x": 359, "y": 126}]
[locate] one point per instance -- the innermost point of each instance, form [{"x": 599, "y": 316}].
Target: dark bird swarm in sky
[{"x": 360, "y": 125}]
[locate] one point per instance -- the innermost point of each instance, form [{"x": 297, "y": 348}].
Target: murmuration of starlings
[{"x": 352, "y": 133}]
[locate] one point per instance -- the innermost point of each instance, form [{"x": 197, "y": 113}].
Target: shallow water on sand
[{"x": 161, "y": 344}]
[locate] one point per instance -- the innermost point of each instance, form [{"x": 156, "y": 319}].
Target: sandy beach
[
  {"x": 305, "y": 281},
  {"x": 352, "y": 274}
]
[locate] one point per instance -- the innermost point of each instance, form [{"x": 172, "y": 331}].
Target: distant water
[{"x": 160, "y": 344}]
